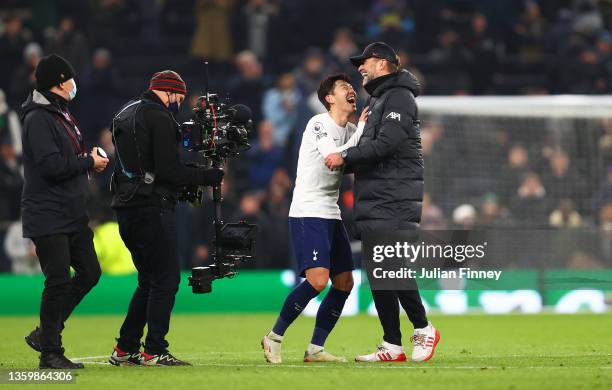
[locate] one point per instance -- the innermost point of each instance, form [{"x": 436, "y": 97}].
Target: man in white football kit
[{"x": 319, "y": 238}]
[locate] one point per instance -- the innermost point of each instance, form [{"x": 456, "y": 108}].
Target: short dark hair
[{"x": 327, "y": 86}]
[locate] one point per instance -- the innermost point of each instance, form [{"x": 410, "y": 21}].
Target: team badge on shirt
[{"x": 317, "y": 129}]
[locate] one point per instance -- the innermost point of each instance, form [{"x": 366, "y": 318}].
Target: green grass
[{"x": 475, "y": 352}]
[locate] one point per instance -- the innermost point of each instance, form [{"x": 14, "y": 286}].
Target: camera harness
[{"x": 148, "y": 178}]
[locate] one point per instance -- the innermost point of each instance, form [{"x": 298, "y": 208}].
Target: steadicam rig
[{"x": 217, "y": 132}]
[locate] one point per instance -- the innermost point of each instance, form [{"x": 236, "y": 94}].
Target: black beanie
[{"x": 51, "y": 71}]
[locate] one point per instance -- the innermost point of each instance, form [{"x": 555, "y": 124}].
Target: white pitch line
[
  {"x": 540, "y": 356},
  {"x": 375, "y": 367},
  {"x": 89, "y": 357},
  {"x": 194, "y": 355},
  {"x": 468, "y": 356}
]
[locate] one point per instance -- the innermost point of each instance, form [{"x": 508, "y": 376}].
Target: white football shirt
[{"x": 317, "y": 187}]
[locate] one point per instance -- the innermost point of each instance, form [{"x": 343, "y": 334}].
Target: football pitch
[{"x": 475, "y": 351}]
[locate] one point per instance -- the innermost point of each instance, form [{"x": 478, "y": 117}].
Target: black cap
[
  {"x": 51, "y": 71},
  {"x": 377, "y": 50}
]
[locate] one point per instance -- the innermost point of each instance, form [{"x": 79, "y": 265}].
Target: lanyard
[{"x": 69, "y": 124}]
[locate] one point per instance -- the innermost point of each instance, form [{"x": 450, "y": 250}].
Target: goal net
[{"x": 528, "y": 163}]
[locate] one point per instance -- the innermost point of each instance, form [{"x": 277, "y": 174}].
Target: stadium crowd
[{"x": 271, "y": 56}]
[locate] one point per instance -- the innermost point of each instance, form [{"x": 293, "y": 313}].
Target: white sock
[
  {"x": 312, "y": 349},
  {"x": 275, "y": 336},
  {"x": 423, "y": 329},
  {"x": 396, "y": 349}
]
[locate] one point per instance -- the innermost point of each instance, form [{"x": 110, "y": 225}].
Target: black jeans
[
  {"x": 150, "y": 235},
  {"x": 62, "y": 293}
]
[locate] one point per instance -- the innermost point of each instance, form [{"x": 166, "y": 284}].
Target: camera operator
[
  {"x": 56, "y": 167},
  {"x": 147, "y": 180}
]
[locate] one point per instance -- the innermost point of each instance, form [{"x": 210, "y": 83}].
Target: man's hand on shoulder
[{"x": 365, "y": 113}]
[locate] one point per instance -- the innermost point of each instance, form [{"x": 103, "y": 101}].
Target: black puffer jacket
[
  {"x": 387, "y": 162},
  {"x": 55, "y": 168}
]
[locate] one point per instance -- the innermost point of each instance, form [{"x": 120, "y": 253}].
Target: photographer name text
[{"x": 436, "y": 273}]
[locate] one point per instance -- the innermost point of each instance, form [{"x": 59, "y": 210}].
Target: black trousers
[
  {"x": 150, "y": 235},
  {"x": 387, "y": 305},
  {"x": 62, "y": 293}
]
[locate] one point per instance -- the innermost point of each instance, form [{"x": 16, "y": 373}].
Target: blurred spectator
[
  {"x": 406, "y": 63},
  {"x": 451, "y": 62},
  {"x": 390, "y": 22},
  {"x": 565, "y": 216},
  {"x": 515, "y": 169},
  {"x": 587, "y": 17},
  {"x": 69, "y": 43},
  {"x": 254, "y": 27},
  {"x": 10, "y": 126},
  {"x": 249, "y": 85},
  {"x": 150, "y": 13},
  {"x": 212, "y": 38},
  {"x": 464, "y": 217},
  {"x": 101, "y": 92},
  {"x": 482, "y": 44},
  {"x": 563, "y": 181},
  {"x": 11, "y": 183},
  {"x": 23, "y": 81},
  {"x": 604, "y": 194},
  {"x": 605, "y": 218},
  {"x": 280, "y": 107},
  {"x": 21, "y": 251},
  {"x": 605, "y": 142},
  {"x": 276, "y": 206},
  {"x": 492, "y": 215},
  {"x": 529, "y": 203},
  {"x": 251, "y": 212},
  {"x": 103, "y": 27},
  {"x": 311, "y": 72},
  {"x": 432, "y": 217},
  {"x": 530, "y": 32},
  {"x": 264, "y": 157},
  {"x": 588, "y": 73},
  {"x": 342, "y": 48},
  {"x": 13, "y": 40}
]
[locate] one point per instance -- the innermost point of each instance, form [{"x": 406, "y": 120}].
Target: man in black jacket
[
  {"x": 56, "y": 169},
  {"x": 146, "y": 181},
  {"x": 388, "y": 167}
]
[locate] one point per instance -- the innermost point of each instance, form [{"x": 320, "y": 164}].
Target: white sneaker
[
  {"x": 321, "y": 356},
  {"x": 272, "y": 348},
  {"x": 424, "y": 343},
  {"x": 384, "y": 353}
]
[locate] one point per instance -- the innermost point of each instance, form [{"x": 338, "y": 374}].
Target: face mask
[
  {"x": 174, "y": 106},
  {"x": 73, "y": 91}
]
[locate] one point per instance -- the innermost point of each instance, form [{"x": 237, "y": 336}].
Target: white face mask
[{"x": 73, "y": 91}]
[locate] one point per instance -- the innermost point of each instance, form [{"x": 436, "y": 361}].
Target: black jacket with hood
[
  {"x": 55, "y": 168},
  {"x": 152, "y": 145},
  {"x": 387, "y": 162}
]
